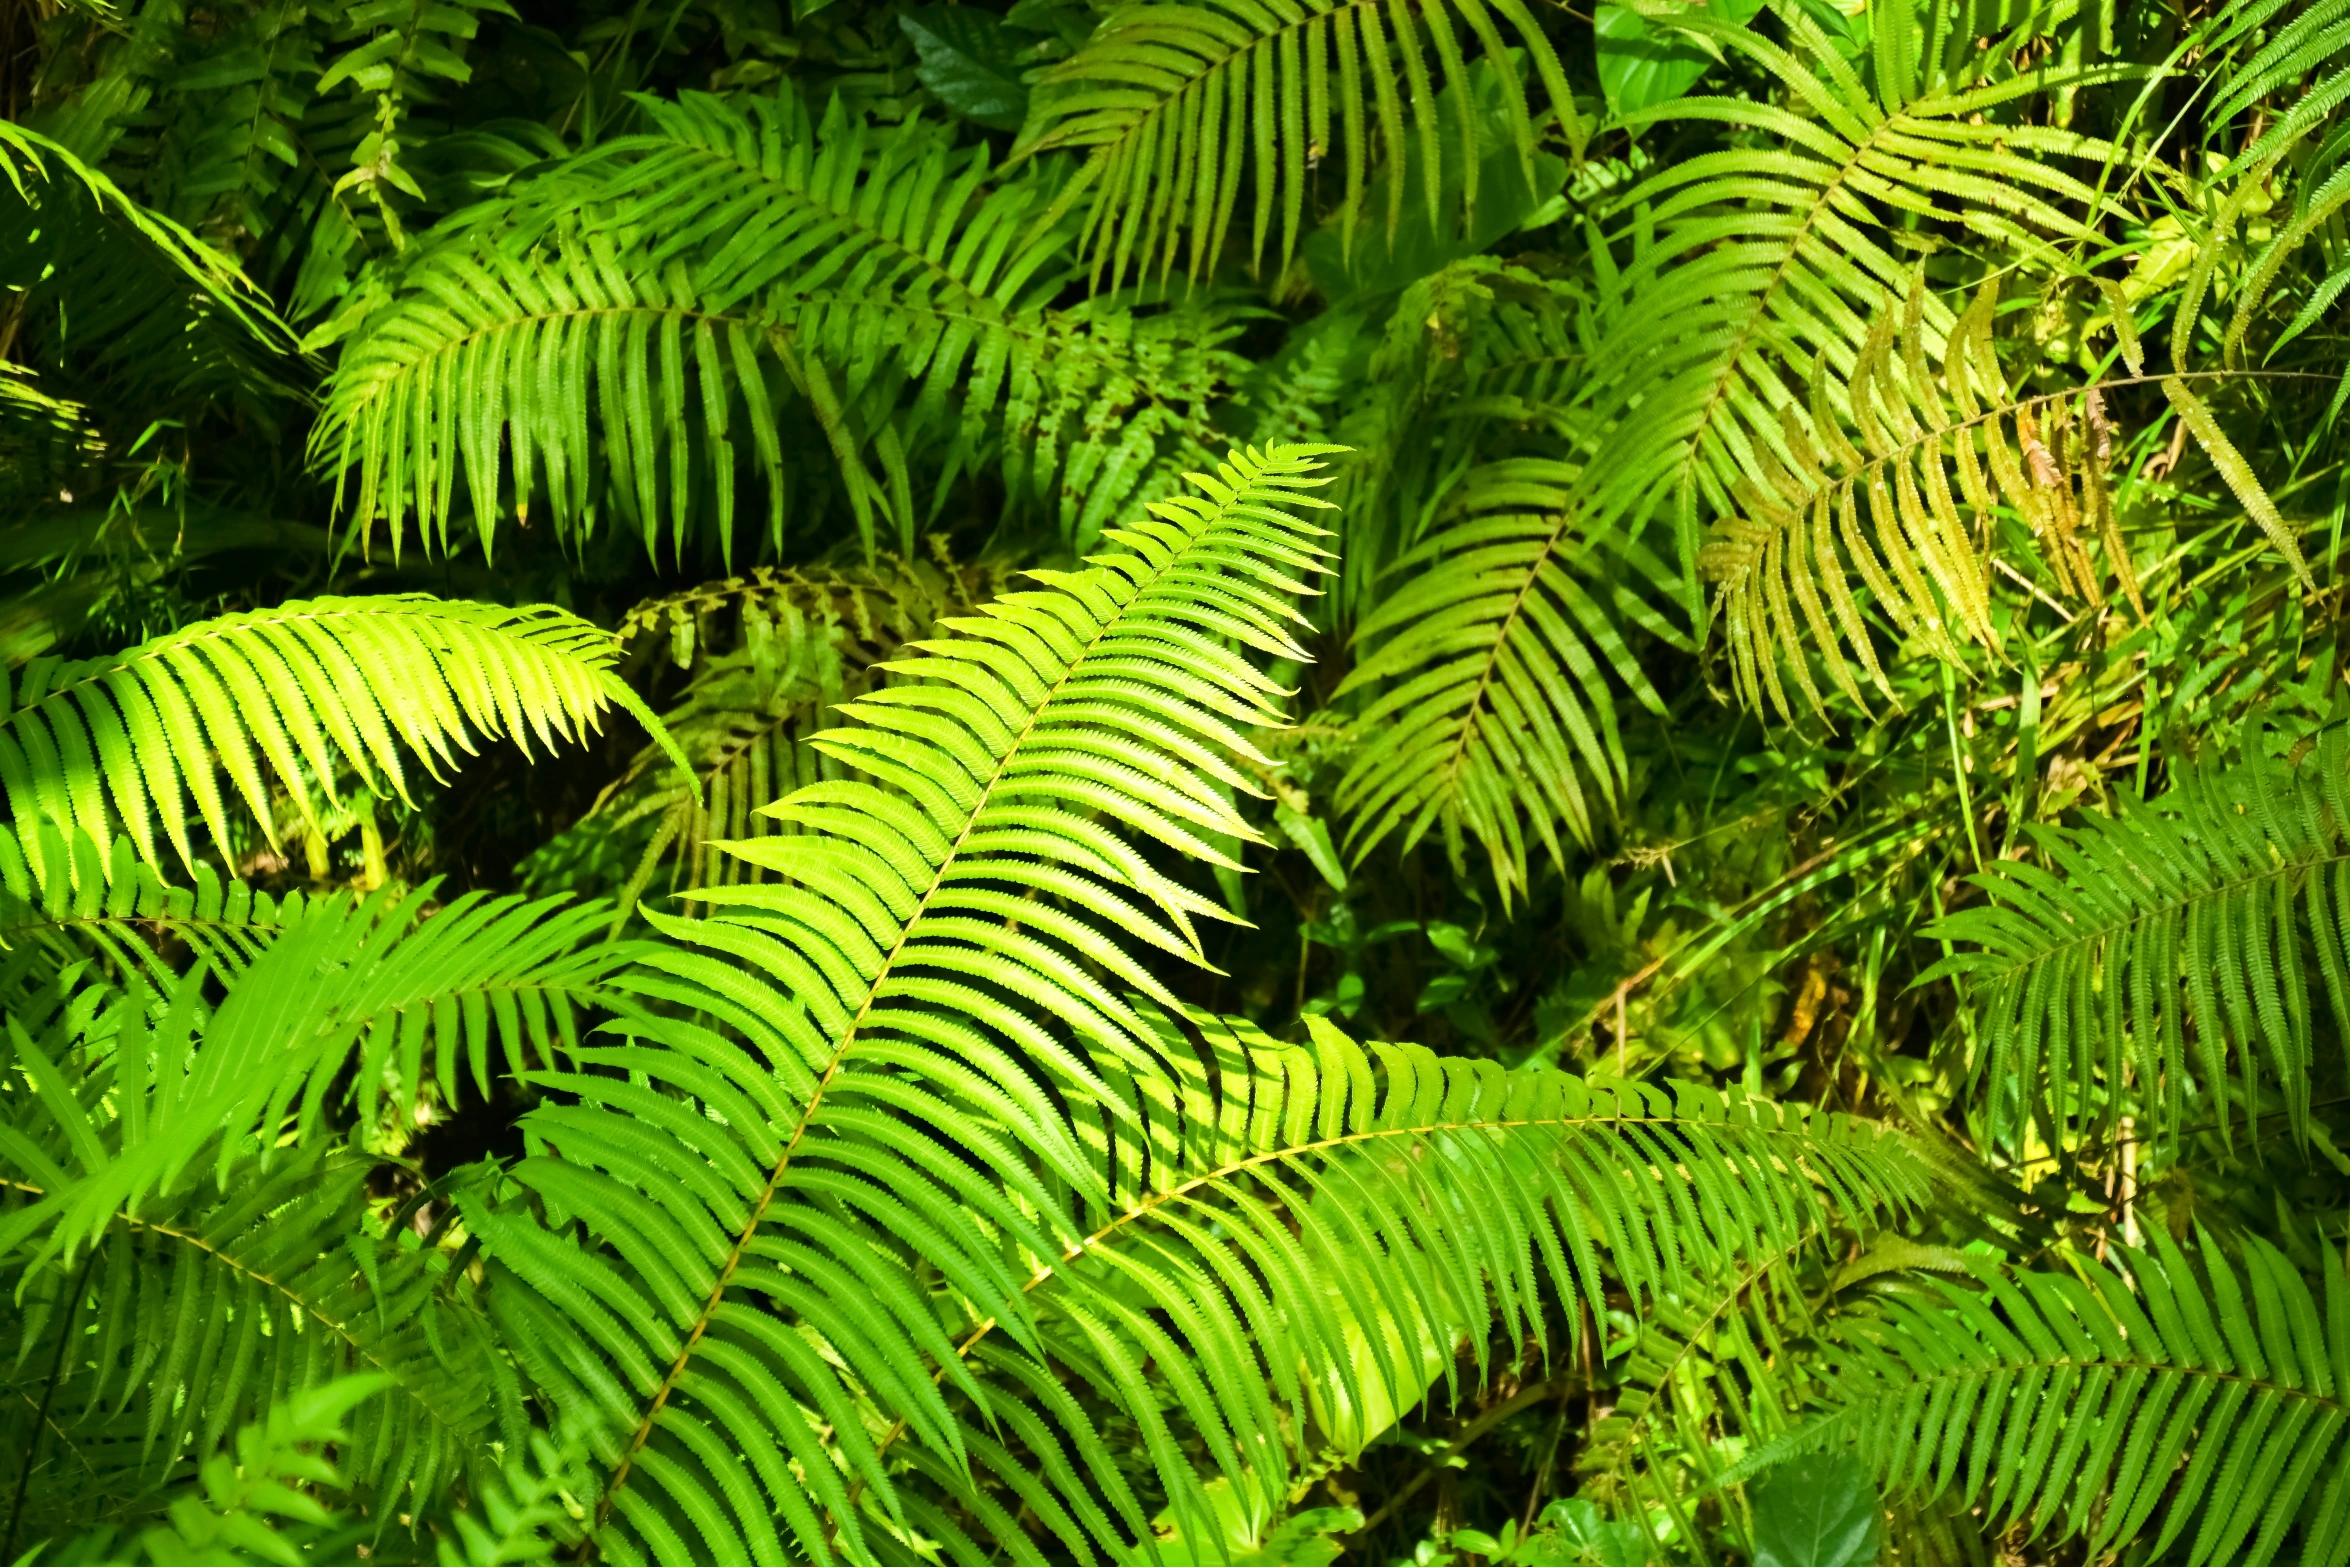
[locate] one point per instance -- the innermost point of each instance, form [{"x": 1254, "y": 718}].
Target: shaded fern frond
[
  {"x": 773, "y": 655},
  {"x": 2195, "y": 909},
  {"x": 1175, "y": 102},
  {"x": 1494, "y": 717},
  {"x": 738, "y": 263},
  {"x": 305, "y": 691},
  {"x": 2162, "y": 1406},
  {"x": 186, "y": 1316}
]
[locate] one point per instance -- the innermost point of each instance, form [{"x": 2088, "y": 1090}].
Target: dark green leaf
[
  {"x": 1819, "y": 1511},
  {"x": 970, "y": 63}
]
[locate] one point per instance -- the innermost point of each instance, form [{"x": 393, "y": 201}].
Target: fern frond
[
  {"x": 904, "y": 934},
  {"x": 1915, "y": 506},
  {"x": 2191, "y": 910},
  {"x": 1747, "y": 266},
  {"x": 773, "y": 654},
  {"x": 1174, "y": 103},
  {"x": 2160, "y": 1406},
  {"x": 938, "y": 1087},
  {"x": 187, "y": 1315},
  {"x": 741, "y": 258},
  {"x": 305, "y": 691},
  {"x": 1493, "y": 713}
]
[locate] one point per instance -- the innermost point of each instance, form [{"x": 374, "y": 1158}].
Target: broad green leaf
[
  {"x": 1816, "y": 1511},
  {"x": 970, "y": 63},
  {"x": 1645, "y": 62}
]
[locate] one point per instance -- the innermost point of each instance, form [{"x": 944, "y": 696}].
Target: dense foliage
[{"x": 730, "y": 734}]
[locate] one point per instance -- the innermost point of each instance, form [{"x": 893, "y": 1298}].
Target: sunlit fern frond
[
  {"x": 746, "y": 290},
  {"x": 955, "y": 905},
  {"x": 1491, "y": 666},
  {"x": 2196, "y": 909},
  {"x": 294, "y": 696},
  {"x": 1174, "y": 104},
  {"x": 188, "y": 1311},
  {"x": 905, "y": 1149},
  {"x": 2160, "y": 1406},
  {"x": 1745, "y": 267},
  {"x": 1916, "y": 506}
]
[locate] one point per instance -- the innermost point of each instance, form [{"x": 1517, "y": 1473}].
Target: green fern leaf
[
  {"x": 739, "y": 259},
  {"x": 292, "y": 695},
  {"x": 1173, "y": 104},
  {"x": 2149, "y": 1408},
  {"x": 2190, "y": 910}
]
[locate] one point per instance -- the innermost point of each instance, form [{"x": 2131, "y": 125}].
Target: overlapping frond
[
  {"x": 1746, "y": 267},
  {"x": 192, "y": 1307},
  {"x": 296, "y": 696},
  {"x": 1174, "y": 104},
  {"x": 951, "y": 1160},
  {"x": 2166, "y": 944},
  {"x": 2196, "y": 1408},
  {"x": 738, "y": 265},
  {"x": 1915, "y": 506},
  {"x": 772, "y": 655}
]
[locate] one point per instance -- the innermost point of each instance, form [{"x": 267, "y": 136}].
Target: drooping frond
[
  {"x": 771, "y": 655},
  {"x": 1174, "y": 104},
  {"x": 745, "y": 289},
  {"x": 291, "y": 696},
  {"x": 2165, "y": 943},
  {"x": 950, "y": 1092},
  {"x": 1745, "y": 267},
  {"x": 1491, "y": 664},
  {"x": 2205, "y": 1408},
  {"x": 145, "y": 304}
]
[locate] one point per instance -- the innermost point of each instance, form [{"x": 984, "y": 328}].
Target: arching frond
[
  {"x": 741, "y": 264},
  {"x": 1174, "y": 103},
  {"x": 1746, "y": 267},
  {"x": 2204, "y": 1408},
  {"x": 949, "y": 1093},
  {"x": 2190, "y": 910},
  {"x": 306, "y": 691}
]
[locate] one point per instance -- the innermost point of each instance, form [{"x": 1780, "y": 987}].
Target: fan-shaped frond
[
  {"x": 305, "y": 690},
  {"x": 2157, "y": 1407},
  {"x": 1174, "y": 103},
  {"x": 2176, "y": 921},
  {"x": 1747, "y": 266},
  {"x": 737, "y": 259}
]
